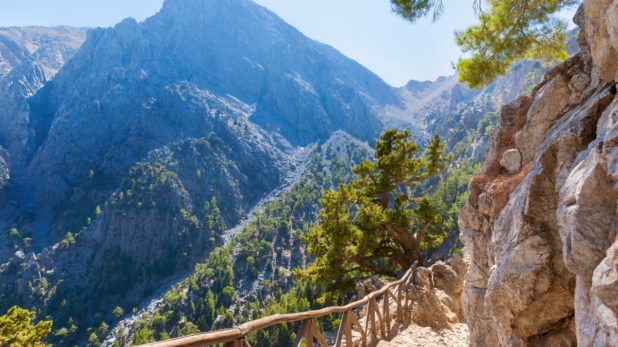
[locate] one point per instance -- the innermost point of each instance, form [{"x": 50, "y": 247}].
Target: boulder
[{"x": 511, "y": 160}]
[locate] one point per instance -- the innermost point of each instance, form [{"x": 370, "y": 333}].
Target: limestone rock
[
  {"x": 4, "y": 168},
  {"x": 547, "y": 106},
  {"x": 588, "y": 223},
  {"x": 605, "y": 279},
  {"x": 541, "y": 242},
  {"x": 588, "y": 203},
  {"x": 605, "y": 299},
  {"x": 436, "y": 294},
  {"x": 511, "y": 160},
  {"x": 601, "y": 30}
]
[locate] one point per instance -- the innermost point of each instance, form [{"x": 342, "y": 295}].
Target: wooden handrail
[{"x": 235, "y": 336}]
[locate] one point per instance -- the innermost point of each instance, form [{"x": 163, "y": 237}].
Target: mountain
[
  {"x": 450, "y": 109},
  {"x": 126, "y": 79},
  {"x": 463, "y": 117},
  {"x": 152, "y": 144},
  {"x": 197, "y": 140},
  {"x": 29, "y": 58},
  {"x": 50, "y": 48}
]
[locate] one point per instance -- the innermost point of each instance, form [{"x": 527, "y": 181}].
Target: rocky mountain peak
[{"x": 201, "y": 7}]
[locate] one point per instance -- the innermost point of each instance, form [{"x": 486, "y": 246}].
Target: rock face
[
  {"x": 436, "y": 293},
  {"x": 540, "y": 236},
  {"x": 4, "y": 169},
  {"x": 29, "y": 57},
  {"x": 602, "y": 33}
]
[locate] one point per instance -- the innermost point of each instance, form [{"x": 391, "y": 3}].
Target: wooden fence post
[
  {"x": 318, "y": 334},
  {"x": 308, "y": 334},
  {"x": 362, "y": 331},
  {"x": 387, "y": 313},
  {"x": 301, "y": 334},
  {"x": 400, "y": 312}
]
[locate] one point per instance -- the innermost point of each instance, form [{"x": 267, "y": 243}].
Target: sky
[{"x": 365, "y": 30}]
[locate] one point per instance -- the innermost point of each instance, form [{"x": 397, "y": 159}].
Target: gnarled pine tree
[{"x": 374, "y": 225}]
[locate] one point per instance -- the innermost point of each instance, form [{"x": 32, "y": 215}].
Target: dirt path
[{"x": 417, "y": 336}]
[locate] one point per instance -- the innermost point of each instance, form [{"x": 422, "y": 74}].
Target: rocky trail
[{"x": 418, "y": 336}]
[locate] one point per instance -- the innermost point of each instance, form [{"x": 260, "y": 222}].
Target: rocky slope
[
  {"x": 451, "y": 110},
  {"x": 255, "y": 266},
  {"x": 139, "y": 86},
  {"x": 29, "y": 57},
  {"x": 540, "y": 223},
  {"x": 131, "y": 162}
]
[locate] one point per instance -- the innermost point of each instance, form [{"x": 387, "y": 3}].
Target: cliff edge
[{"x": 541, "y": 219}]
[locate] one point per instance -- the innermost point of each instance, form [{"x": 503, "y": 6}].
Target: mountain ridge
[{"x": 156, "y": 137}]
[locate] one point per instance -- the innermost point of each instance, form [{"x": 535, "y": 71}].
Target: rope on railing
[{"x": 378, "y": 322}]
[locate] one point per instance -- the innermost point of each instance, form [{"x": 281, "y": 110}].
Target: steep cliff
[
  {"x": 29, "y": 57},
  {"x": 540, "y": 223}
]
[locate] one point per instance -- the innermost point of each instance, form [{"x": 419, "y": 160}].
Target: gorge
[{"x": 157, "y": 178}]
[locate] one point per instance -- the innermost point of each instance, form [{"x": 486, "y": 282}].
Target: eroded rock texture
[{"x": 541, "y": 236}]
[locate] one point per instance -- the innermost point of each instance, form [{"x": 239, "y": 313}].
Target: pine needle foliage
[
  {"x": 508, "y": 31},
  {"x": 17, "y": 329},
  {"x": 373, "y": 225}
]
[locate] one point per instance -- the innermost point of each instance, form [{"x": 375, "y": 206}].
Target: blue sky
[{"x": 365, "y": 30}]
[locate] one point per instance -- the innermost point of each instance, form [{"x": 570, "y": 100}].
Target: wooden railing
[{"x": 377, "y": 322}]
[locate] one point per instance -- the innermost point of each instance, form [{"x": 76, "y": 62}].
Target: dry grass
[
  {"x": 493, "y": 175},
  {"x": 512, "y": 120},
  {"x": 503, "y": 186}
]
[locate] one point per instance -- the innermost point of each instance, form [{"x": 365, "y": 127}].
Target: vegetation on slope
[{"x": 251, "y": 277}]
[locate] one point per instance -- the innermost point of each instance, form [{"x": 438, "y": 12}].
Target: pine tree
[
  {"x": 213, "y": 222},
  {"x": 374, "y": 225},
  {"x": 118, "y": 312},
  {"x": 508, "y": 31},
  {"x": 210, "y": 309},
  {"x": 16, "y": 329}
]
